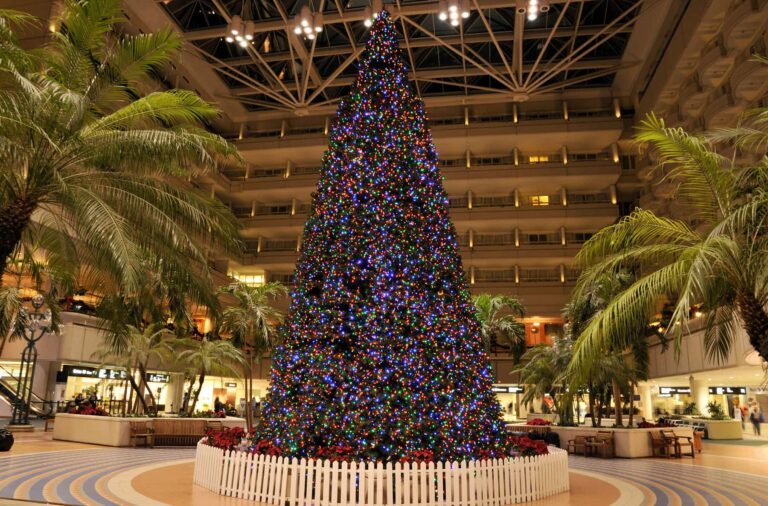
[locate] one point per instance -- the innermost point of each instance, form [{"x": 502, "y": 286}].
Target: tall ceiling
[{"x": 495, "y": 52}]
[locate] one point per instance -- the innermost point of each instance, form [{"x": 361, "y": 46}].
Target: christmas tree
[{"x": 383, "y": 357}]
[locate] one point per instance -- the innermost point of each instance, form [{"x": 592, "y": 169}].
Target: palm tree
[
  {"x": 95, "y": 159},
  {"x": 252, "y": 325},
  {"x": 721, "y": 264},
  {"x": 207, "y": 356},
  {"x": 142, "y": 345},
  {"x": 622, "y": 367},
  {"x": 542, "y": 371},
  {"x": 495, "y": 326}
]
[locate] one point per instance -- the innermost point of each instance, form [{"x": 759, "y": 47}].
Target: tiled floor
[{"x": 39, "y": 469}]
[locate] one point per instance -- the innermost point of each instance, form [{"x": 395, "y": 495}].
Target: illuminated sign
[
  {"x": 670, "y": 391},
  {"x": 728, "y": 390},
  {"x": 158, "y": 378},
  {"x": 508, "y": 389},
  {"x": 230, "y": 385},
  {"x": 92, "y": 372}
]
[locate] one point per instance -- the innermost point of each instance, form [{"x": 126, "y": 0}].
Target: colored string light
[{"x": 383, "y": 353}]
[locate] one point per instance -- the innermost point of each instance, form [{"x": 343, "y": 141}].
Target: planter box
[
  {"x": 109, "y": 430},
  {"x": 629, "y": 443},
  {"x": 280, "y": 480},
  {"x": 721, "y": 429}
]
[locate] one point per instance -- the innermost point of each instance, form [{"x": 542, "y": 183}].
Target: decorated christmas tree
[{"x": 383, "y": 358}]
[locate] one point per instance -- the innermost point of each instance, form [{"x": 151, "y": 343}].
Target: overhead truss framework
[{"x": 576, "y": 44}]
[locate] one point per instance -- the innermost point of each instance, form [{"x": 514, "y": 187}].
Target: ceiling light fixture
[
  {"x": 241, "y": 28},
  {"x": 453, "y": 11},
  {"x": 371, "y": 13},
  {"x": 535, "y": 7},
  {"x": 308, "y": 23}
]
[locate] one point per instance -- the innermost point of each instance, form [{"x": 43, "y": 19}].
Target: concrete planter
[
  {"x": 108, "y": 430},
  {"x": 629, "y": 443},
  {"x": 721, "y": 429}
]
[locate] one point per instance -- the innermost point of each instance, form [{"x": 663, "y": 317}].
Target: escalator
[{"x": 39, "y": 407}]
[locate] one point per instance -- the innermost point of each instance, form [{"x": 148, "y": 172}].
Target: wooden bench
[
  {"x": 142, "y": 430},
  {"x": 661, "y": 443},
  {"x": 178, "y": 432},
  {"x": 578, "y": 445},
  {"x": 601, "y": 444},
  {"x": 680, "y": 442}
]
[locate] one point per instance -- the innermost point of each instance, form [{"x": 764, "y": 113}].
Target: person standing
[
  {"x": 737, "y": 415},
  {"x": 755, "y": 415}
]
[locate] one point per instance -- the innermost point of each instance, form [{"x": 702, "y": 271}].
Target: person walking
[
  {"x": 737, "y": 415},
  {"x": 755, "y": 416}
]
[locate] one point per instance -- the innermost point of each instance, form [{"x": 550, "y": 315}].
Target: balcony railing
[{"x": 522, "y": 117}]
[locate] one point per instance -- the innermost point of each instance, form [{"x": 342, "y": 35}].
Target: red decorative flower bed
[
  {"x": 236, "y": 438},
  {"x": 538, "y": 421},
  {"x": 87, "y": 409}
]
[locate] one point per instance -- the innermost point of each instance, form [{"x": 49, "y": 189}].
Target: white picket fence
[{"x": 306, "y": 482}]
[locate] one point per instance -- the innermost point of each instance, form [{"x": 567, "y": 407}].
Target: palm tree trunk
[
  {"x": 632, "y": 404},
  {"x": 592, "y": 405},
  {"x": 197, "y": 392},
  {"x": 617, "y": 403},
  {"x": 144, "y": 385},
  {"x": 139, "y": 395},
  {"x": 755, "y": 321},
  {"x": 14, "y": 218},
  {"x": 248, "y": 377},
  {"x": 185, "y": 402}
]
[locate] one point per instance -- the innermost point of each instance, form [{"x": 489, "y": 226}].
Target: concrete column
[
  {"x": 174, "y": 393},
  {"x": 700, "y": 394},
  {"x": 646, "y": 402}
]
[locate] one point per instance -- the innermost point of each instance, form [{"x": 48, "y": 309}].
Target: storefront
[
  {"x": 509, "y": 397},
  {"x": 110, "y": 386}
]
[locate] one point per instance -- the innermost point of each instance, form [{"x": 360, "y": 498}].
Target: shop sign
[
  {"x": 92, "y": 372},
  {"x": 508, "y": 389},
  {"x": 81, "y": 372},
  {"x": 728, "y": 390},
  {"x": 230, "y": 385},
  {"x": 670, "y": 391},
  {"x": 112, "y": 374},
  {"x": 158, "y": 378}
]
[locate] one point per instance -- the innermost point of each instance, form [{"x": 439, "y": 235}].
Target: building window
[
  {"x": 628, "y": 162},
  {"x": 538, "y": 158},
  {"x": 539, "y": 200},
  {"x": 582, "y": 236},
  {"x": 537, "y": 238},
  {"x": 249, "y": 279}
]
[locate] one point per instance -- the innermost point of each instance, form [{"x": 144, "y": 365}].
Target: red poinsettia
[
  {"x": 87, "y": 409},
  {"x": 418, "y": 457},
  {"x": 227, "y": 438},
  {"x": 538, "y": 421},
  {"x": 527, "y": 447},
  {"x": 267, "y": 447},
  {"x": 335, "y": 453}
]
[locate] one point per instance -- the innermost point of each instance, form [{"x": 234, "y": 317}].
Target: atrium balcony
[
  {"x": 749, "y": 80},
  {"x": 585, "y": 130},
  {"x": 715, "y": 63},
  {"x": 744, "y": 22}
]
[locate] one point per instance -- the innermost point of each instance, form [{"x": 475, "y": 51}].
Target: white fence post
[{"x": 307, "y": 482}]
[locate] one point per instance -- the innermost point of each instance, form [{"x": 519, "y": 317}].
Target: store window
[{"x": 539, "y": 200}]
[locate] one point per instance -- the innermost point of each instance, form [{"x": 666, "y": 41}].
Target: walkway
[{"x": 42, "y": 470}]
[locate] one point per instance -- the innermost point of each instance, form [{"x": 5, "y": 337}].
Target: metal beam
[
  {"x": 351, "y": 15},
  {"x": 422, "y": 42},
  {"x": 441, "y": 73}
]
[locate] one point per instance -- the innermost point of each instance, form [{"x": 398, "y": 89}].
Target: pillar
[
  {"x": 700, "y": 394},
  {"x": 646, "y": 401},
  {"x": 174, "y": 393}
]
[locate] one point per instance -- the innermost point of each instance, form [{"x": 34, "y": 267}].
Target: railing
[
  {"x": 588, "y": 198},
  {"x": 291, "y": 481},
  {"x": 539, "y": 275},
  {"x": 493, "y": 240}
]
